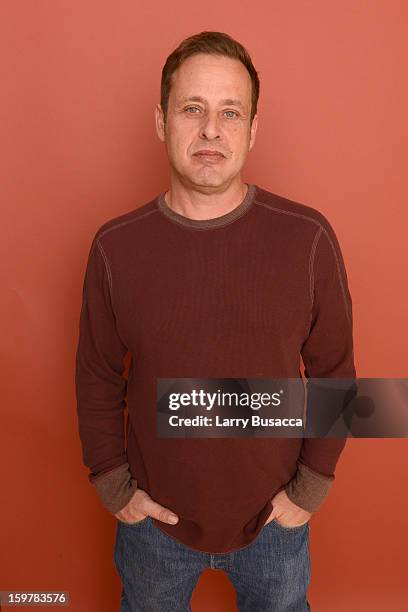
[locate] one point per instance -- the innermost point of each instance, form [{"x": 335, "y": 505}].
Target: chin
[
  {"x": 204, "y": 181},
  {"x": 209, "y": 175}
]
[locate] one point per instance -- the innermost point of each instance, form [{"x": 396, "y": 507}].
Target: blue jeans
[{"x": 158, "y": 573}]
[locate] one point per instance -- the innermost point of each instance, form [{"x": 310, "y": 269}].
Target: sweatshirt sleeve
[
  {"x": 327, "y": 353},
  {"x": 101, "y": 387}
]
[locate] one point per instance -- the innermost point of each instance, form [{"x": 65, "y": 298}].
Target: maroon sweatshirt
[{"x": 243, "y": 295}]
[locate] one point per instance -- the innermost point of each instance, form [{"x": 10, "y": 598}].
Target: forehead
[{"x": 205, "y": 75}]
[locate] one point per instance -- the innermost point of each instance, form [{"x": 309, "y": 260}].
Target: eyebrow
[{"x": 229, "y": 101}]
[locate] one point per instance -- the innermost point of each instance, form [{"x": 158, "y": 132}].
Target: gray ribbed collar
[{"x": 230, "y": 216}]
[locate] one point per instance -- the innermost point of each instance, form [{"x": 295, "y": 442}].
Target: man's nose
[{"x": 210, "y": 127}]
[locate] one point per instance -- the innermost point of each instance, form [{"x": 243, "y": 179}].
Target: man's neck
[{"x": 202, "y": 205}]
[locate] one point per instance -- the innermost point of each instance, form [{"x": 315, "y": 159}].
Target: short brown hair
[{"x": 214, "y": 43}]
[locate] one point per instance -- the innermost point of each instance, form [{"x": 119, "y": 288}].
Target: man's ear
[
  {"x": 159, "y": 118},
  {"x": 254, "y": 127}
]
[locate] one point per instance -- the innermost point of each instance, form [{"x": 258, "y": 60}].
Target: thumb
[
  {"x": 275, "y": 512},
  {"x": 161, "y": 513}
]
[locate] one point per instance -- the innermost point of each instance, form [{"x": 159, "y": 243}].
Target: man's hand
[
  {"x": 288, "y": 513},
  {"x": 142, "y": 505}
]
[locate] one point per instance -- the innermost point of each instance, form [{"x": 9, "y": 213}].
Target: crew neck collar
[{"x": 220, "y": 221}]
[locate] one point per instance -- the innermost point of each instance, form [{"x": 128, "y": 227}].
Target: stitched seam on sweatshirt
[
  {"x": 105, "y": 258},
  {"x": 288, "y": 212},
  {"x": 311, "y": 265},
  {"x": 122, "y": 223},
  {"x": 339, "y": 273},
  {"x": 108, "y": 271}
]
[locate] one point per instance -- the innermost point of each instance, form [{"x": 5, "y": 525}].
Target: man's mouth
[{"x": 210, "y": 155}]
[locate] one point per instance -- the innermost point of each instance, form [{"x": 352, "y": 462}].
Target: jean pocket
[
  {"x": 136, "y": 524},
  {"x": 290, "y": 527}
]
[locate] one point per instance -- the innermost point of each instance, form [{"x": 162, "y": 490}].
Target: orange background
[{"x": 79, "y": 81}]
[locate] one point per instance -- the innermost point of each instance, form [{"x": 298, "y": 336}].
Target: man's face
[{"x": 208, "y": 110}]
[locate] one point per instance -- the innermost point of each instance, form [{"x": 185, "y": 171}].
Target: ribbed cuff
[
  {"x": 308, "y": 489},
  {"x": 115, "y": 488}
]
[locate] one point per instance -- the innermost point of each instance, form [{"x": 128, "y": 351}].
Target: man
[{"x": 213, "y": 278}]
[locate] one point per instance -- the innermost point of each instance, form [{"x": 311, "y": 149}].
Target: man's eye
[
  {"x": 190, "y": 107},
  {"x": 233, "y": 112}
]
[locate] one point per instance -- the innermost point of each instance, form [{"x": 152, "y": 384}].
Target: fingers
[
  {"x": 143, "y": 503},
  {"x": 272, "y": 515},
  {"x": 161, "y": 513}
]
